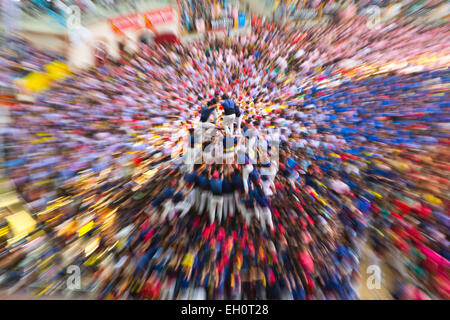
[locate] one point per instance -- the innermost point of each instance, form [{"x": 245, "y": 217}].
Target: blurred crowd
[
  {"x": 254, "y": 167},
  {"x": 335, "y": 9},
  {"x": 18, "y": 58},
  {"x": 206, "y": 10}
]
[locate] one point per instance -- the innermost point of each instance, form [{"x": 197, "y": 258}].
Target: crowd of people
[
  {"x": 197, "y": 15},
  {"x": 18, "y": 57},
  {"x": 254, "y": 167}
]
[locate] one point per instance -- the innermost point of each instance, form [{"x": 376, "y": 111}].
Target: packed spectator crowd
[
  {"x": 253, "y": 167},
  {"x": 18, "y": 58},
  {"x": 205, "y": 11}
]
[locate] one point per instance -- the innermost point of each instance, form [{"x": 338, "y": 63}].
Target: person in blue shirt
[
  {"x": 214, "y": 100},
  {"x": 202, "y": 185},
  {"x": 246, "y": 170},
  {"x": 248, "y": 208},
  {"x": 169, "y": 198},
  {"x": 262, "y": 207},
  {"x": 187, "y": 200},
  {"x": 229, "y": 114},
  {"x": 190, "y": 155},
  {"x": 204, "y": 124},
  {"x": 291, "y": 166},
  {"x": 205, "y": 113},
  {"x": 228, "y": 191},
  {"x": 216, "y": 200},
  {"x": 228, "y": 149},
  {"x": 267, "y": 176},
  {"x": 238, "y": 113},
  {"x": 168, "y": 193},
  {"x": 238, "y": 187},
  {"x": 190, "y": 178}
]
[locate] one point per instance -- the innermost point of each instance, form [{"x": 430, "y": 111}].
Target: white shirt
[
  {"x": 339, "y": 186},
  {"x": 299, "y": 53}
]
